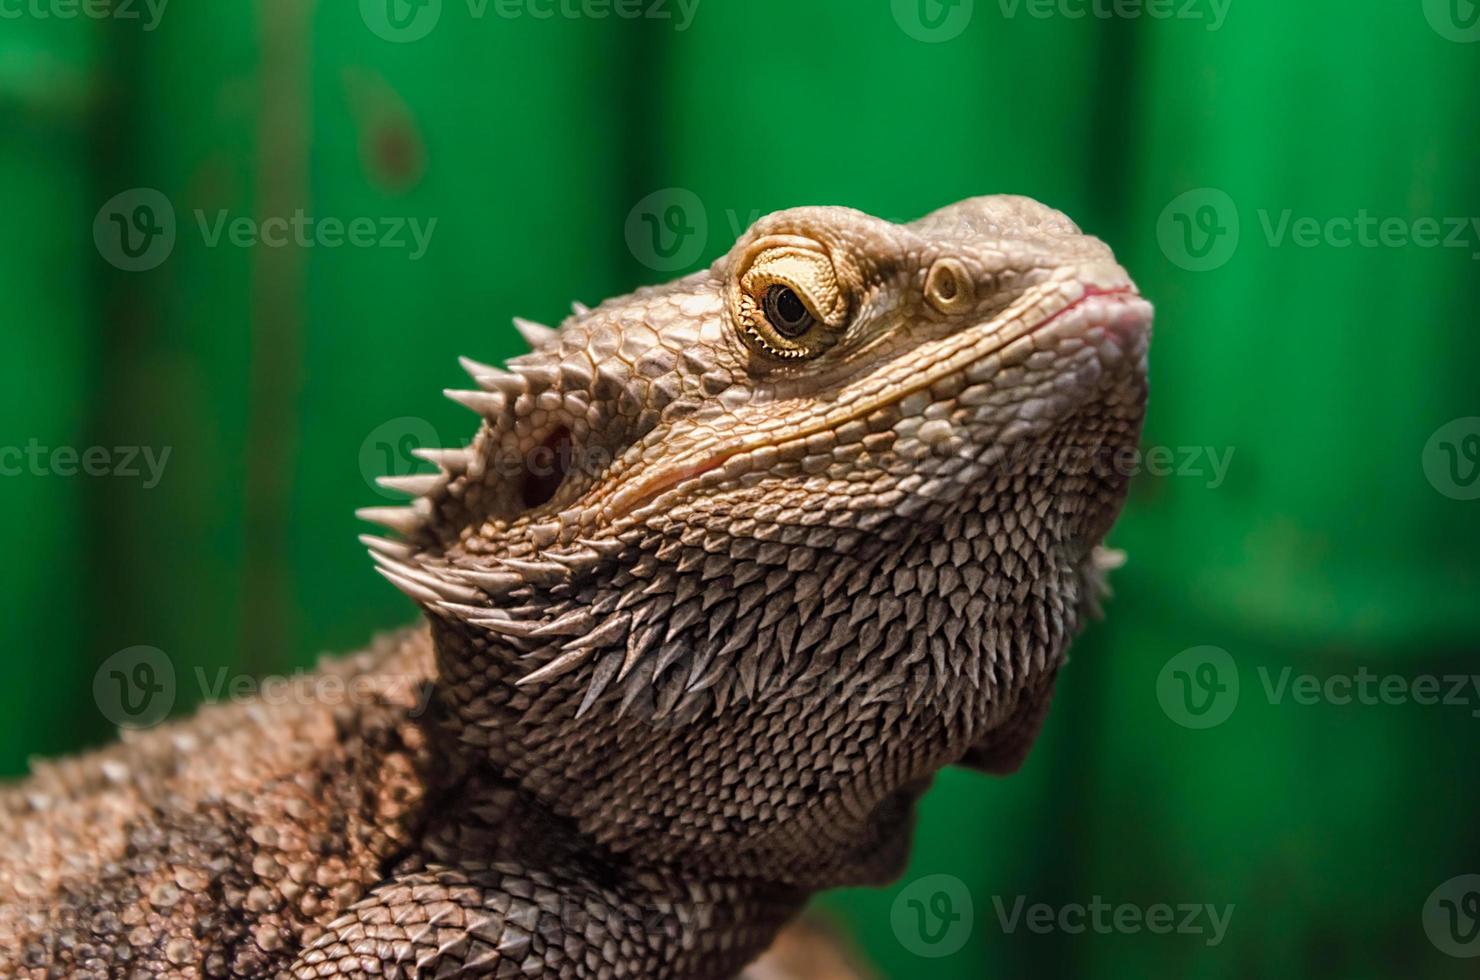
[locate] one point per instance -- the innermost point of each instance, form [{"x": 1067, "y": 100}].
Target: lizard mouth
[{"x": 1117, "y": 309}]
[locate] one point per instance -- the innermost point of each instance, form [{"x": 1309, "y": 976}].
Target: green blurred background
[{"x": 1210, "y": 142}]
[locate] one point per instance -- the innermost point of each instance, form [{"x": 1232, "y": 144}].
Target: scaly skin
[{"x": 732, "y": 567}]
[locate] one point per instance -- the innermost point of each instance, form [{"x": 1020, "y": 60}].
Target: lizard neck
[{"x": 802, "y": 770}]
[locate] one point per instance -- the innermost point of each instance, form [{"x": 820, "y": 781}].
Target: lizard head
[{"x": 849, "y": 441}]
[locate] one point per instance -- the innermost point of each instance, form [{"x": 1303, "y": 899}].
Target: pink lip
[{"x": 1127, "y": 319}]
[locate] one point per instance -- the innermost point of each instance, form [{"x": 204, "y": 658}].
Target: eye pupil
[
  {"x": 786, "y": 312},
  {"x": 790, "y": 306}
]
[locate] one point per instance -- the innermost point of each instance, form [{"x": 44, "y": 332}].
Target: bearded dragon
[{"x": 732, "y": 567}]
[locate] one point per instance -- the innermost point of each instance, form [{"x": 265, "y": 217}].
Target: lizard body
[{"x": 732, "y": 567}]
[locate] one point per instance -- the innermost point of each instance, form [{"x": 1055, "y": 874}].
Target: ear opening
[{"x": 545, "y": 469}]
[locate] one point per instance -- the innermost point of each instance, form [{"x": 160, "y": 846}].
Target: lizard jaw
[{"x": 977, "y": 353}]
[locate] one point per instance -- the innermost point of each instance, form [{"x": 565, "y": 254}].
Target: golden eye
[
  {"x": 787, "y": 299},
  {"x": 786, "y": 312}
]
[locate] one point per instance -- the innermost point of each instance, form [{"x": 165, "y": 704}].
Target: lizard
[{"x": 730, "y": 569}]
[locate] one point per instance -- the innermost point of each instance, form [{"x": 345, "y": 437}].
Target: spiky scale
[
  {"x": 563, "y": 664},
  {"x": 418, "y": 485},
  {"x": 449, "y": 460},
  {"x": 385, "y": 546},
  {"x": 402, "y": 520},
  {"x": 415, "y": 590},
  {"x": 485, "y": 403},
  {"x": 536, "y": 335}
]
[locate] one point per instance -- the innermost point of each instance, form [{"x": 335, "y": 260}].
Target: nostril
[
  {"x": 546, "y": 469},
  {"x": 949, "y": 286}
]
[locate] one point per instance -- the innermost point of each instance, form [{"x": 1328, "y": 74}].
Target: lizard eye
[
  {"x": 786, "y": 312},
  {"x": 787, "y": 299}
]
